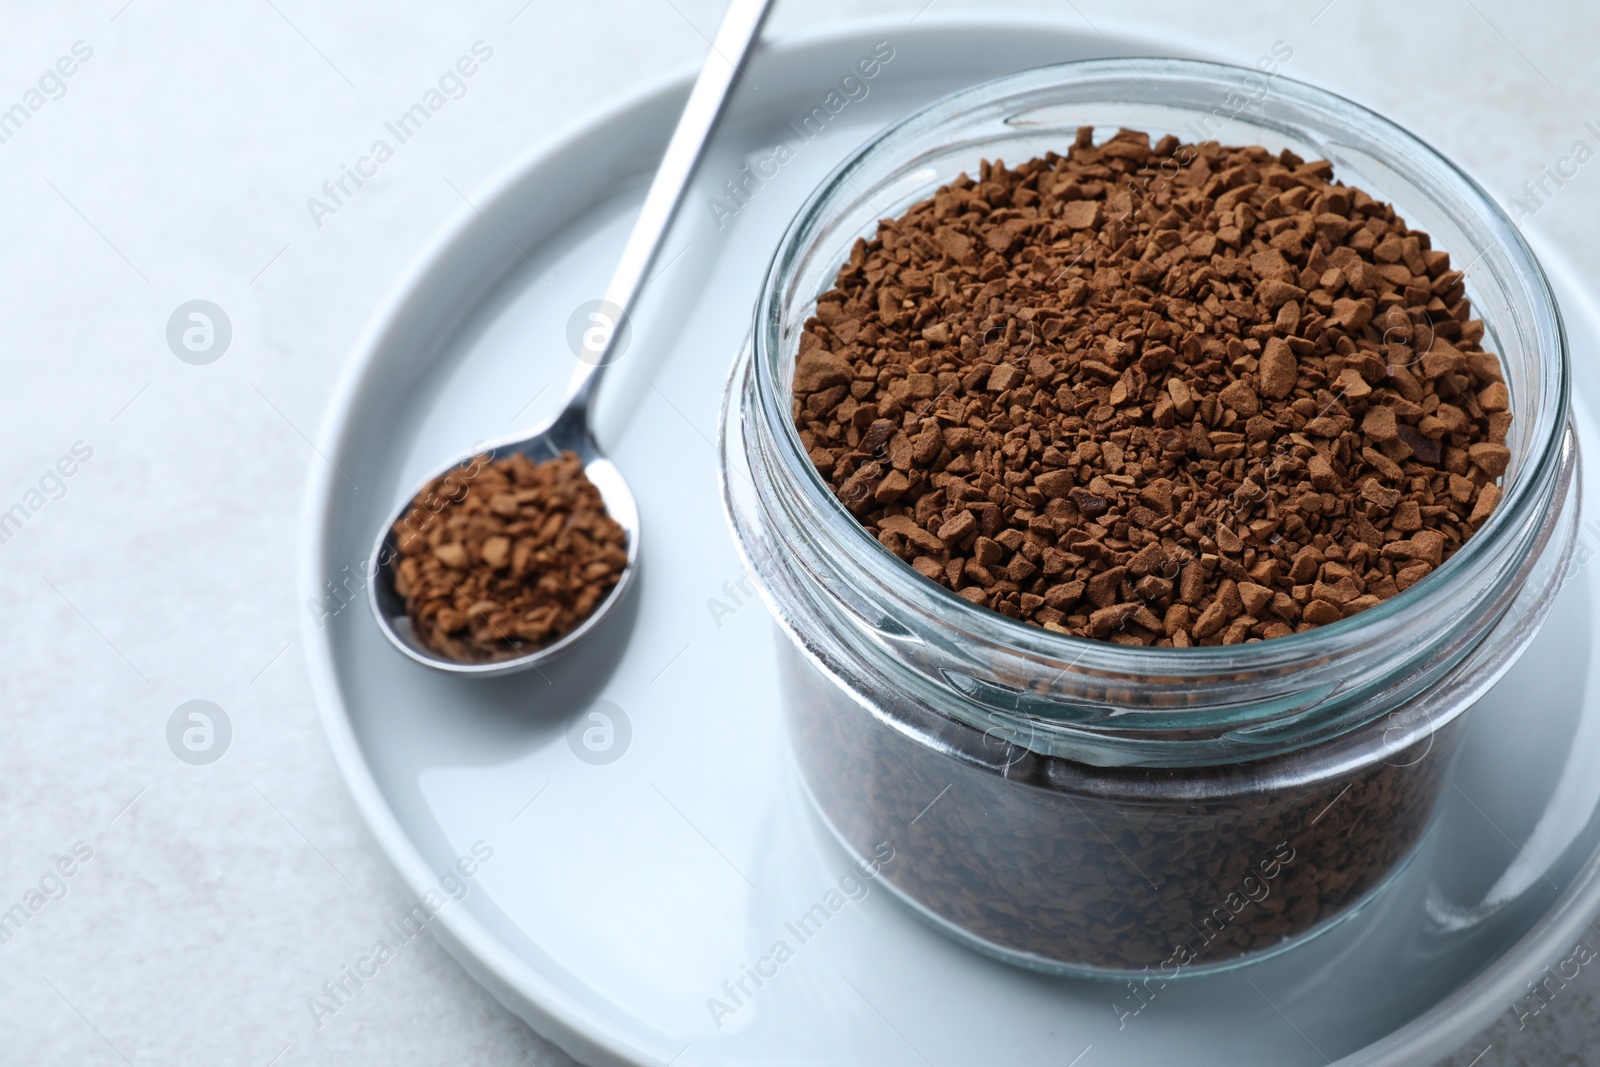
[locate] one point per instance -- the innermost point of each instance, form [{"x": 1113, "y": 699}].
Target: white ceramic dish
[{"x": 623, "y": 897}]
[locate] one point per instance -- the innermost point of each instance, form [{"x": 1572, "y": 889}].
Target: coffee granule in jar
[
  {"x": 1063, "y": 863},
  {"x": 1157, "y": 394},
  {"x": 498, "y": 559}
]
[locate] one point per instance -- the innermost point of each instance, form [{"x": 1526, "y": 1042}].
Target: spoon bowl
[{"x": 569, "y": 432}]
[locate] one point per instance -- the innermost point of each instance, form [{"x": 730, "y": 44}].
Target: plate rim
[{"x": 558, "y": 1017}]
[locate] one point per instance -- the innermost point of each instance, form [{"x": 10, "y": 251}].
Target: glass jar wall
[{"x": 1089, "y": 807}]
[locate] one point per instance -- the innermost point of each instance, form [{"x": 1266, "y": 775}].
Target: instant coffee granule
[
  {"x": 510, "y": 556},
  {"x": 1050, "y": 858},
  {"x": 1158, "y": 394}
]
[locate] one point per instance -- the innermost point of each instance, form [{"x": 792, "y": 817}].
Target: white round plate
[{"x": 630, "y": 891}]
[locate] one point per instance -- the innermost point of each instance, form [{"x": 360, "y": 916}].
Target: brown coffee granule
[
  {"x": 1041, "y": 855},
  {"x": 512, "y": 555},
  {"x": 1157, "y": 394}
]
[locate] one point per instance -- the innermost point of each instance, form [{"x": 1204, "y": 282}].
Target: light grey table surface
[{"x": 175, "y": 162}]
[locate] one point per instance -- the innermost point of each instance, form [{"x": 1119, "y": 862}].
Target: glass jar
[{"x": 1085, "y": 807}]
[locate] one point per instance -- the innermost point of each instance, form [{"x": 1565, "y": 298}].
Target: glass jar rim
[{"x": 1515, "y": 270}]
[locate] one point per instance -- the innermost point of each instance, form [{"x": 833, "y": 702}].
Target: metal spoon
[{"x": 570, "y": 431}]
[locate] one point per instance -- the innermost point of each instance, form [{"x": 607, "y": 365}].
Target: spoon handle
[{"x": 735, "y": 37}]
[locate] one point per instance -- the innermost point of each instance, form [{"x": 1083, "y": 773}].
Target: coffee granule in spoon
[
  {"x": 510, "y": 556},
  {"x": 1156, "y": 394}
]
